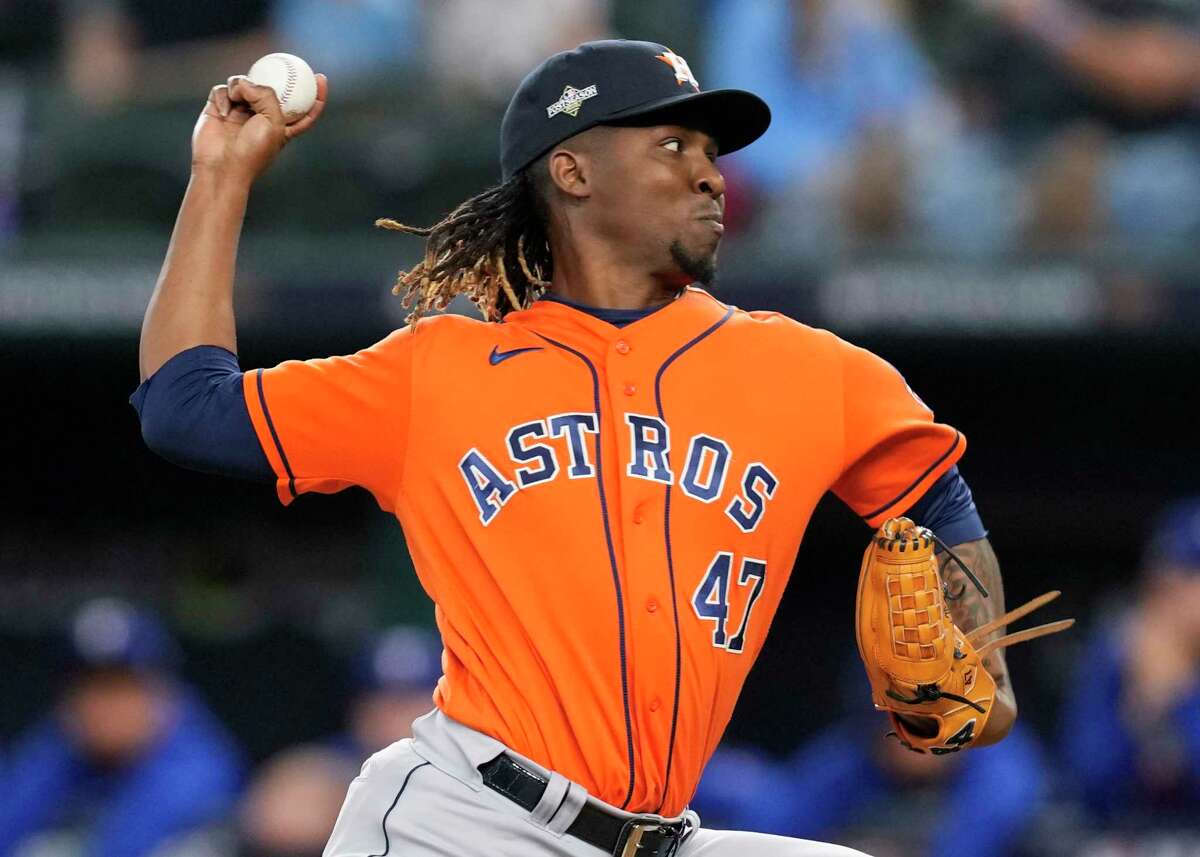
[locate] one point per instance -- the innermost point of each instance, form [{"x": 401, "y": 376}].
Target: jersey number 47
[{"x": 711, "y": 598}]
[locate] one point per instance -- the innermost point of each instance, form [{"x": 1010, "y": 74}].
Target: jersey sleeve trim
[
  {"x": 260, "y": 415},
  {"x": 930, "y": 474}
]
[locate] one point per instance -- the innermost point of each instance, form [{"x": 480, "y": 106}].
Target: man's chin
[{"x": 700, "y": 267}]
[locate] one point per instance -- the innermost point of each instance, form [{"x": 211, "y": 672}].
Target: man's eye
[{"x": 673, "y": 144}]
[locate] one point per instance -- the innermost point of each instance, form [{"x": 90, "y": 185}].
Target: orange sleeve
[
  {"x": 331, "y": 423},
  {"x": 893, "y": 449}
]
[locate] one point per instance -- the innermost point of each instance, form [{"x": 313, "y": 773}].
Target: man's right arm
[
  {"x": 238, "y": 134},
  {"x": 312, "y": 425},
  {"x": 192, "y": 302}
]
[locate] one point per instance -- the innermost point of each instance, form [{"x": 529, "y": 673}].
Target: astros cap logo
[
  {"x": 570, "y": 101},
  {"x": 683, "y": 74}
]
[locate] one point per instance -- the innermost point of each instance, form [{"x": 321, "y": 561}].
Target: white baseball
[{"x": 294, "y": 83}]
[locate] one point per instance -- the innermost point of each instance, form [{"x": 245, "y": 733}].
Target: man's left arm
[
  {"x": 948, "y": 509},
  {"x": 970, "y": 609}
]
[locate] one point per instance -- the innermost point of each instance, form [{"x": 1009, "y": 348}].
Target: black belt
[{"x": 640, "y": 836}]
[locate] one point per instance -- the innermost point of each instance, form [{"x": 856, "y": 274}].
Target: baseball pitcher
[{"x": 603, "y": 483}]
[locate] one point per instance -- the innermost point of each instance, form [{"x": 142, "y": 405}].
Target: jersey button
[
  {"x": 622, "y": 346},
  {"x": 655, "y": 705},
  {"x": 651, "y": 605},
  {"x": 630, "y": 389}
]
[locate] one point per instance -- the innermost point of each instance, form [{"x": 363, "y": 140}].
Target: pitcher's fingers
[
  {"x": 218, "y": 97},
  {"x": 231, "y": 85},
  {"x": 260, "y": 99},
  {"x": 314, "y": 113},
  {"x": 220, "y": 106}
]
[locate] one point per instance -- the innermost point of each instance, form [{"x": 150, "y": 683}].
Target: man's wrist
[{"x": 217, "y": 182}]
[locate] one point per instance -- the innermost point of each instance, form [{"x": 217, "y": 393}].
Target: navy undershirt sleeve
[
  {"x": 949, "y": 510},
  {"x": 193, "y": 414}
]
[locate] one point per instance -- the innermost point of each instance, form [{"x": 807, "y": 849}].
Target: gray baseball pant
[{"x": 424, "y": 797}]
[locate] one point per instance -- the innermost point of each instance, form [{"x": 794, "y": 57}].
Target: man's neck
[
  {"x": 612, "y": 295},
  {"x": 606, "y": 284}
]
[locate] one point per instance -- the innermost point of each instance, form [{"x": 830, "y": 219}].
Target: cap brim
[{"x": 734, "y": 117}]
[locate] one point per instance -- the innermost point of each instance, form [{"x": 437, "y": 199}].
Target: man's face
[
  {"x": 1180, "y": 604},
  {"x": 114, "y": 714},
  {"x": 657, "y": 191}
]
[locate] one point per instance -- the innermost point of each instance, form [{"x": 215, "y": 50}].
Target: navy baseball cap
[
  {"x": 109, "y": 632},
  {"x": 619, "y": 82},
  {"x": 401, "y": 658}
]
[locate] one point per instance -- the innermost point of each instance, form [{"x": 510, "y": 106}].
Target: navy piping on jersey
[
  {"x": 387, "y": 842},
  {"x": 670, "y": 560},
  {"x": 612, "y": 561},
  {"x": 262, "y": 400},
  {"x": 917, "y": 481}
]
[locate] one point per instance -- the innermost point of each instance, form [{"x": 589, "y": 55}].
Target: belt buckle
[{"x": 635, "y": 830}]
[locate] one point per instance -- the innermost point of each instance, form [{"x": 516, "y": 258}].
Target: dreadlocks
[{"x": 492, "y": 248}]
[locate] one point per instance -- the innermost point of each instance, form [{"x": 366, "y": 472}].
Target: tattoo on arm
[{"x": 971, "y": 609}]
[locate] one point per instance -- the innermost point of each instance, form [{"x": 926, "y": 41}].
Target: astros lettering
[{"x": 535, "y": 447}]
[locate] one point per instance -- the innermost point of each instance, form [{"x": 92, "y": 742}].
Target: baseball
[{"x": 293, "y": 81}]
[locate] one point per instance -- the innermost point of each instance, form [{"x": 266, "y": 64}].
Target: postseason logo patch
[{"x": 570, "y": 101}]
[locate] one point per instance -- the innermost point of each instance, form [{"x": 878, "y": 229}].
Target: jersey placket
[
  {"x": 628, "y": 365},
  {"x": 652, "y": 644}
]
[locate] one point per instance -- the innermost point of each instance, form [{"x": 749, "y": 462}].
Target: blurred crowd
[
  {"x": 965, "y": 128},
  {"x": 131, "y": 761}
]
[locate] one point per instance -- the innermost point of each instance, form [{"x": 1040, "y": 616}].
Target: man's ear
[{"x": 570, "y": 172}]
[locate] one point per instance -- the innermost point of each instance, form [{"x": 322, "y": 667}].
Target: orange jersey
[{"x": 606, "y": 518}]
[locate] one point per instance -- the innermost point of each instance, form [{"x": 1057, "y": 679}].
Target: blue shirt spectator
[
  {"x": 1132, "y": 730},
  {"x": 187, "y": 779},
  {"x": 129, "y": 759},
  {"x": 1123, "y": 766}
]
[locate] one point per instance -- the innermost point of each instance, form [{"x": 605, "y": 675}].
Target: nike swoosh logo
[{"x": 497, "y": 356}]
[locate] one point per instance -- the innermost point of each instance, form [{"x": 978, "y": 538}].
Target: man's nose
[{"x": 710, "y": 181}]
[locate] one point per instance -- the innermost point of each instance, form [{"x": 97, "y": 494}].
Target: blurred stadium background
[{"x": 1001, "y": 197}]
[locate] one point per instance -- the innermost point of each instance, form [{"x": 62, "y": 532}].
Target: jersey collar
[{"x": 694, "y": 311}]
